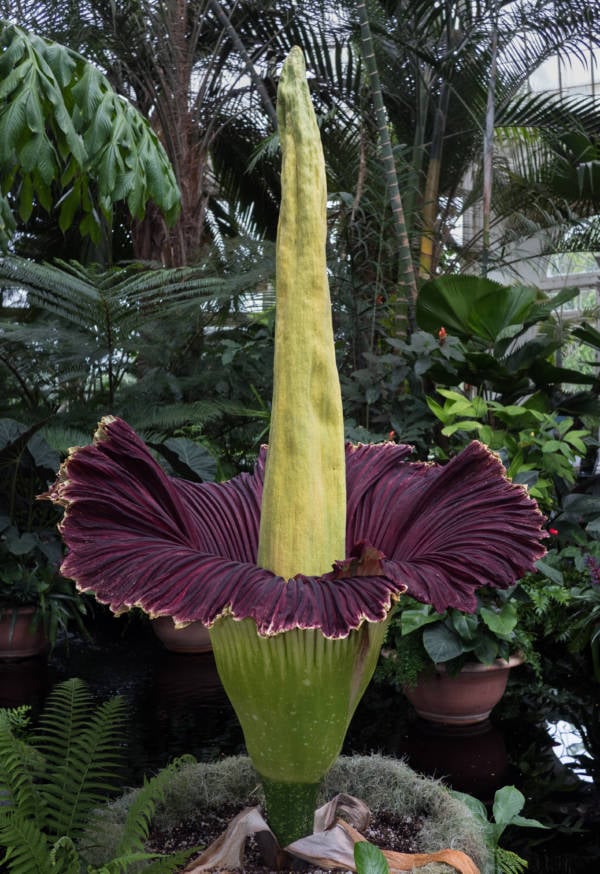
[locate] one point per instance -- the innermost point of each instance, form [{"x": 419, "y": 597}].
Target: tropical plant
[
  {"x": 584, "y": 618},
  {"x": 201, "y": 73},
  {"x": 56, "y": 606},
  {"x": 295, "y": 644},
  {"x": 30, "y": 548},
  {"x": 369, "y": 859},
  {"x": 70, "y": 142},
  {"x": 506, "y": 811},
  {"x": 539, "y": 449},
  {"x": 186, "y": 66},
  {"x": 84, "y": 341},
  {"x": 464, "y": 110},
  {"x": 501, "y": 341},
  {"x": 510, "y": 337},
  {"x": 54, "y": 777},
  {"x": 419, "y": 637}
]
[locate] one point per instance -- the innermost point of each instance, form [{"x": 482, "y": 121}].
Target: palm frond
[{"x": 158, "y": 420}]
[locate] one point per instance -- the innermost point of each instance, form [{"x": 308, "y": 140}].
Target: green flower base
[{"x": 283, "y": 801}]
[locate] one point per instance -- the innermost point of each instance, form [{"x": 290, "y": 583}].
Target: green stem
[{"x": 290, "y": 809}]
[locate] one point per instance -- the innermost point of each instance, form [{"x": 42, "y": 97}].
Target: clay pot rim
[
  {"x": 17, "y": 608},
  {"x": 479, "y": 667}
]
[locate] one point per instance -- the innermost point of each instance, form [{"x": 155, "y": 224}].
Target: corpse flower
[{"x": 296, "y": 567}]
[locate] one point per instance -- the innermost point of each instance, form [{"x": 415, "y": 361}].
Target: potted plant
[
  {"x": 192, "y": 638},
  {"x": 36, "y": 602},
  {"x": 453, "y": 666}
]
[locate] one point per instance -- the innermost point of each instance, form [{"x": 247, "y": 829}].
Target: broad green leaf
[
  {"x": 43, "y": 455},
  {"x": 486, "y": 649},
  {"x": 369, "y": 859},
  {"x": 552, "y": 446},
  {"x": 13, "y": 79},
  {"x": 437, "y": 409},
  {"x": 451, "y": 395},
  {"x": 189, "y": 459},
  {"x": 472, "y": 306},
  {"x": 69, "y": 204},
  {"x": 548, "y": 571},
  {"x": 466, "y": 425},
  {"x": 52, "y": 104},
  {"x": 508, "y": 802},
  {"x": 33, "y": 113},
  {"x": 20, "y": 544},
  {"x": 527, "y": 822},
  {"x": 10, "y": 430},
  {"x": 503, "y": 621},
  {"x": 442, "y": 644},
  {"x": 416, "y": 617},
  {"x": 13, "y": 121},
  {"x": 476, "y": 806},
  {"x": 465, "y": 625},
  {"x": 26, "y": 198}
]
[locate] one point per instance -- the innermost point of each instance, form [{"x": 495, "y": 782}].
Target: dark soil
[{"x": 387, "y": 830}]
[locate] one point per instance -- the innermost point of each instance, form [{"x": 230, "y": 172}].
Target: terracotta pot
[
  {"x": 193, "y": 638},
  {"x": 17, "y": 639},
  {"x": 463, "y": 699}
]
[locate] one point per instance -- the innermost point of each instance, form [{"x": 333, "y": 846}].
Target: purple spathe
[{"x": 137, "y": 537}]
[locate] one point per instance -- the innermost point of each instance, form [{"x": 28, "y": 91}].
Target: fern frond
[
  {"x": 65, "y": 714},
  {"x": 165, "y": 864},
  {"x": 26, "y": 846},
  {"x": 83, "y": 756},
  {"x": 508, "y": 862},
  {"x": 153, "y": 420},
  {"x": 20, "y": 764},
  {"x": 154, "y": 863},
  {"x": 64, "y": 857},
  {"x": 141, "y": 812}
]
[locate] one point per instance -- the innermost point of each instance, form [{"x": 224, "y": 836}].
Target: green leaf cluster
[
  {"x": 53, "y": 780},
  {"x": 506, "y": 810},
  {"x": 68, "y": 140},
  {"x": 171, "y": 350},
  {"x": 30, "y": 546},
  {"x": 419, "y": 638},
  {"x": 537, "y": 447}
]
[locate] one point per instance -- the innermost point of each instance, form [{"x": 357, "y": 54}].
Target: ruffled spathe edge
[{"x": 137, "y": 537}]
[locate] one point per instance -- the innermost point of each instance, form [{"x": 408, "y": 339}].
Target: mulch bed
[{"x": 387, "y": 830}]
